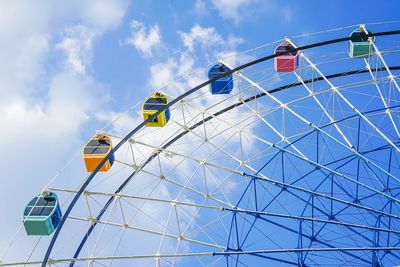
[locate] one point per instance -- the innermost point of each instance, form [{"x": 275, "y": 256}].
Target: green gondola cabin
[
  {"x": 361, "y": 46},
  {"x": 42, "y": 215}
]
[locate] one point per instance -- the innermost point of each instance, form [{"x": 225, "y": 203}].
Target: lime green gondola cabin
[
  {"x": 98, "y": 148},
  {"x": 153, "y": 104},
  {"x": 361, "y": 46},
  {"x": 42, "y": 215}
]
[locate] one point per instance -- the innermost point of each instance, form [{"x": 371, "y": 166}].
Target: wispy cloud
[
  {"x": 143, "y": 39},
  {"x": 211, "y": 43},
  {"x": 206, "y": 37},
  {"x": 200, "y": 8},
  {"x": 232, "y": 9},
  {"x": 103, "y": 14},
  {"x": 237, "y": 11},
  {"x": 77, "y": 46}
]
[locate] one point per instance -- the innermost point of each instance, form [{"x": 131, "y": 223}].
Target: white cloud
[
  {"x": 27, "y": 30},
  {"x": 237, "y": 10},
  {"x": 103, "y": 14},
  {"x": 232, "y": 9},
  {"x": 200, "y": 8},
  {"x": 122, "y": 122},
  {"x": 77, "y": 45},
  {"x": 212, "y": 45},
  {"x": 145, "y": 41},
  {"x": 163, "y": 73},
  {"x": 206, "y": 37},
  {"x": 67, "y": 107}
]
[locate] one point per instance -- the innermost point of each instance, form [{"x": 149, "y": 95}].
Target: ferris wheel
[{"x": 292, "y": 158}]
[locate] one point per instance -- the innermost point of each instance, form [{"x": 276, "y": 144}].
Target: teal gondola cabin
[
  {"x": 42, "y": 215},
  {"x": 361, "y": 46}
]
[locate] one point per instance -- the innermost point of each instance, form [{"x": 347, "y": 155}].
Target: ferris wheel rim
[{"x": 141, "y": 125}]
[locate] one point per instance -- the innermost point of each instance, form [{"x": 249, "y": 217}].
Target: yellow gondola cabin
[
  {"x": 153, "y": 104},
  {"x": 96, "y": 150}
]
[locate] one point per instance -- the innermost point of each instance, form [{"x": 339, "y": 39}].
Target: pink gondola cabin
[{"x": 288, "y": 58}]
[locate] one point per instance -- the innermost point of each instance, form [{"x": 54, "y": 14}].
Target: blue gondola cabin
[
  {"x": 361, "y": 46},
  {"x": 223, "y": 85},
  {"x": 42, "y": 215},
  {"x": 153, "y": 104},
  {"x": 98, "y": 148},
  {"x": 286, "y": 58}
]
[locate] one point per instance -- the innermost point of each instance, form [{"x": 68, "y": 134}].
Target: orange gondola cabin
[
  {"x": 287, "y": 58},
  {"x": 98, "y": 148}
]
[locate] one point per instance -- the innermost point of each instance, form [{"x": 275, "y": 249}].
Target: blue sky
[{"x": 68, "y": 69}]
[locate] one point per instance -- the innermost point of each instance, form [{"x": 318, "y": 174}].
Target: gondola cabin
[
  {"x": 223, "y": 85},
  {"x": 42, "y": 215},
  {"x": 361, "y": 46},
  {"x": 153, "y": 104},
  {"x": 98, "y": 148},
  {"x": 286, "y": 59}
]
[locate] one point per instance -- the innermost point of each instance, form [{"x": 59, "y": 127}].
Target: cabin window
[
  {"x": 287, "y": 50},
  {"x": 153, "y": 107},
  {"x": 96, "y": 149},
  {"x": 156, "y": 101}
]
